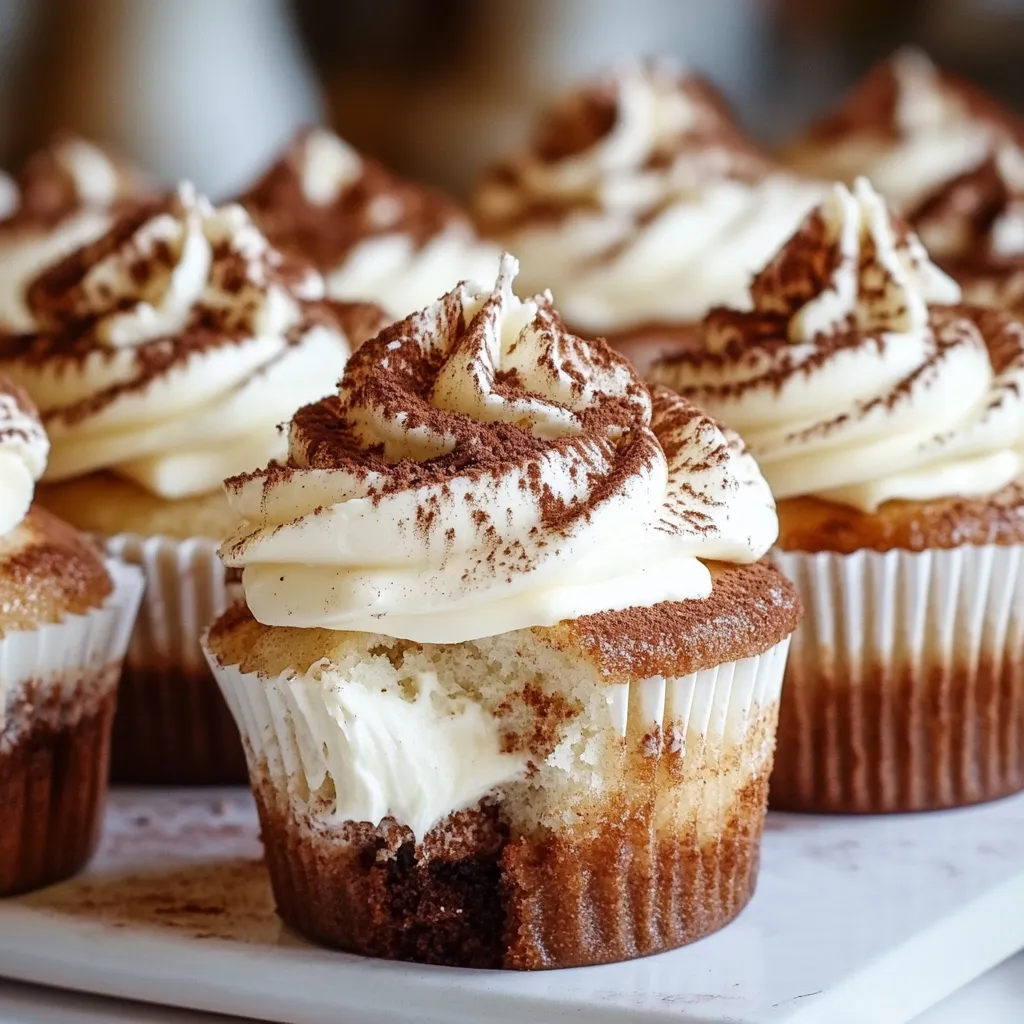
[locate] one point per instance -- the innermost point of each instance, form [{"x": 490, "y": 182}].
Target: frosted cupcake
[
  {"x": 168, "y": 352},
  {"x": 508, "y": 668},
  {"x": 64, "y": 196},
  {"x": 911, "y": 128},
  {"x": 65, "y": 619},
  {"x": 888, "y": 418},
  {"x": 374, "y": 236},
  {"x": 641, "y": 203}
]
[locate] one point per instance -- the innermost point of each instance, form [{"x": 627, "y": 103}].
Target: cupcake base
[
  {"x": 174, "y": 729},
  {"x": 474, "y": 895},
  {"x": 904, "y": 689},
  {"x": 53, "y": 781},
  {"x": 919, "y": 739}
]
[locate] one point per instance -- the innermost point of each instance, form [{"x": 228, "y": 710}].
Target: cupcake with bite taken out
[
  {"x": 641, "y": 203},
  {"x": 375, "y": 237},
  {"x": 167, "y": 353},
  {"x": 887, "y": 416},
  {"x": 509, "y": 661},
  {"x": 66, "y": 195},
  {"x": 65, "y": 619}
]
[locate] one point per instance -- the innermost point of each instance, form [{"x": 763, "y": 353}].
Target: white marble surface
[{"x": 855, "y": 920}]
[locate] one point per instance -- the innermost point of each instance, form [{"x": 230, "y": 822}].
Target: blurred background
[{"x": 209, "y": 89}]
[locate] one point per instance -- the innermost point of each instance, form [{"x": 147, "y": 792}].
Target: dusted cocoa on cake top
[{"x": 508, "y": 667}]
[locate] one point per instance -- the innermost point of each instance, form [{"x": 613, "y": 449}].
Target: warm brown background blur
[{"x": 209, "y": 88}]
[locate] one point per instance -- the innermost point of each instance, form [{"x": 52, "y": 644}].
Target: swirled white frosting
[
  {"x": 172, "y": 347},
  {"x": 23, "y": 451},
  {"x": 61, "y": 200},
  {"x": 374, "y": 236},
  {"x": 856, "y": 377},
  {"x": 910, "y": 128},
  {"x": 482, "y": 470},
  {"x": 641, "y": 202}
]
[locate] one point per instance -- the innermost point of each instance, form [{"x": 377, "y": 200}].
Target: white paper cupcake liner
[
  {"x": 905, "y": 686},
  {"x": 678, "y": 861},
  {"x": 54, "y": 658},
  {"x": 172, "y": 727}
]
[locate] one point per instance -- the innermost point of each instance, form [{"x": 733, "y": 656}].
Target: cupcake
[
  {"x": 641, "y": 203},
  {"x": 508, "y": 664},
  {"x": 65, "y": 619},
  {"x": 887, "y": 416},
  {"x": 908, "y": 126},
  {"x": 65, "y": 196},
  {"x": 168, "y": 352},
  {"x": 373, "y": 236}
]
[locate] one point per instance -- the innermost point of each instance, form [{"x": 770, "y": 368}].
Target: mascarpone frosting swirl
[
  {"x": 857, "y": 377},
  {"x": 909, "y": 127},
  {"x": 170, "y": 348},
  {"x": 374, "y": 236},
  {"x": 63, "y": 198},
  {"x": 974, "y": 228},
  {"x": 23, "y": 451},
  {"x": 641, "y": 201},
  {"x": 482, "y": 470}
]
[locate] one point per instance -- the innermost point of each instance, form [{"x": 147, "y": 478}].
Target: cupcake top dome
[
  {"x": 374, "y": 235},
  {"x": 858, "y": 376},
  {"x": 641, "y": 200},
  {"x": 170, "y": 348},
  {"x": 482, "y": 470}
]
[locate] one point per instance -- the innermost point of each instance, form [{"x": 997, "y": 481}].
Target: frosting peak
[
  {"x": 173, "y": 265},
  {"x": 171, "y": 347},
  {"x": 61, "y": 199},
  {"x": 852, "y": 265},
  {"x": 373, "y": 235},
  {"x": 482, "y": 470},
  {"x": 856, "y": 376},
  {"x": 23, "y": 451},
  {"x": 640, "y": 200}
]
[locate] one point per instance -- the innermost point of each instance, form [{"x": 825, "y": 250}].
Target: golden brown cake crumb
[
  {"x": 811, "y": 524},
  {"x": 47, "y": 571},
  {"x": 106, "y": 504}
]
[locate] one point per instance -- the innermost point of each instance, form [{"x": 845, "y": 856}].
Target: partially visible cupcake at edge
[
  {"x": 946, "y": 156},
  {"x": 374, "y": 236},
  {"x": 641, "y": 203},
  {"x": 509, "y": 663},
  {"x": 64, "y": 196},
  {"x": 65, "y": 619},
  {"x": 888, "y": 417},
  {"x": 168, "y": 351}
]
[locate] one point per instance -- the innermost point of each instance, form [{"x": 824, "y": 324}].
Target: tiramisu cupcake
[
  {"x": 641, "y": 203},
  {"x": 64, "y": 196},
  {"x": 169, "y": 351},
  {"x": 911, "y": 128},
  {"x": 374, "y": 236},
  {"x": 509, "y": 666},
  {"x": 65, "y": 619},
  {"x": 888, "y": 418}
]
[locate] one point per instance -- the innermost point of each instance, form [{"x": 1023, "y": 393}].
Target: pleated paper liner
[
  {"x": 672, "y": 855},
  {"x": 172, "y": 726},
  {"x": 59, "y": 687},
  {"x": 905, "y": 685}
]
